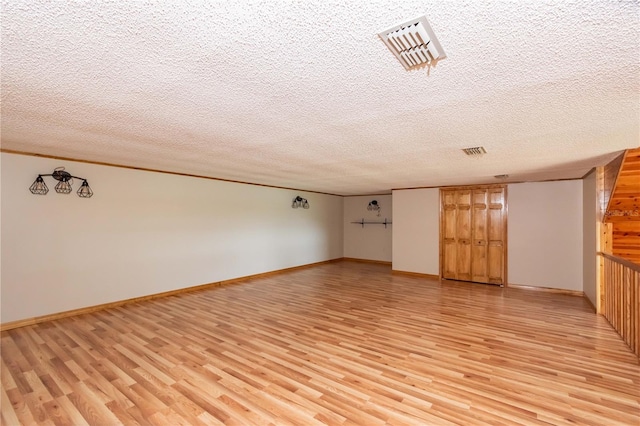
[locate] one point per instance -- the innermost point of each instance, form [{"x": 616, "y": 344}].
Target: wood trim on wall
[
  {"x": 603, "y": 235},
  {"x": 549, "y": 290},
  {"x": 89, "y": 309},
  {"x": 485, "y": 184},
  {"x": 145, "y": 169},
  {"x": 416, "y": 274},
  {"x": 595, "y": 310},
  {"x": 505, "y": 227},
  {"x": 440, "y": 237},
  {"x": 355, "y": 259}
]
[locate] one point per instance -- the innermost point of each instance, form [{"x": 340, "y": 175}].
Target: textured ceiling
[{"x": 305, "y": 95}]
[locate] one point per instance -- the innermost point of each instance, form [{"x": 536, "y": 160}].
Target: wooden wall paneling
[
  {"x": 625, "y": 196},
  {"x": 618, "y": 185},
  {"x": 604, "y": 244},
  {"x": 611, "y": 171},
  {"x": 636, "y": 309},
  {"x": 600, "y": 239},
  {"x": 623, "y": 208},
  {"x": 626, "y": 239}
]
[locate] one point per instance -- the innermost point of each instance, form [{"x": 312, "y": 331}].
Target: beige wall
[
  {"x": 144, "y": 233},
  {"x": 371, "y": 242},
  {"x": 589, "y": 235},
  {"x": 416, "y": 218},
  {"x": 545, "y": 234}
]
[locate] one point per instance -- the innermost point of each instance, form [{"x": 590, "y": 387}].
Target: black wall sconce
[
  {"x": 374, "y": 206},
  {"x": 300, "y": 202},
  {"x": 64, "y": 184}
]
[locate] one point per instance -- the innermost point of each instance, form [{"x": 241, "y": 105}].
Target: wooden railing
[{"x": 621, "y": 304}]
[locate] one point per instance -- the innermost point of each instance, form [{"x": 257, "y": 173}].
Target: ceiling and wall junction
[{"x": 306, "y": 95}]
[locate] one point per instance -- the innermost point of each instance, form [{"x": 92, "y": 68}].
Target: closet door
[
  {"x": 479, "y": 247},
  {"x": 463, "y": 235},
  {"x": 473, "y": 234},
  {"x": 497, "y": 253},
  {"x": 448, "y": 232}
]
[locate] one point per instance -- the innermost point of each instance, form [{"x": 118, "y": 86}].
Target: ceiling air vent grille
[
  {"x": 476, "y": 150},
  {"x": 413, "y": 43}
]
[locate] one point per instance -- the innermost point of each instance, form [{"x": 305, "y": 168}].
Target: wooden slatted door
[
  {"x": 473, "y": 234},
  {"x": 497, "y": 231},
  {"x": 448, "y": 242},
  {"x": 480, "y": 237},
  {"x": 463, "y": 235}
]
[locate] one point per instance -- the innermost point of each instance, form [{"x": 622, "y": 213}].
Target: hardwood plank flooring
[{"x": 343, "y": 344}]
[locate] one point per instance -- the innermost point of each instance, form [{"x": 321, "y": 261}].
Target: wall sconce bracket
[
  {"x": 374, "y": 206},
  {"x": 298, "y": 202}
]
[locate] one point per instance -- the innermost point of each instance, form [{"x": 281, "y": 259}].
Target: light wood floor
[{"x": 343, "y": 343}]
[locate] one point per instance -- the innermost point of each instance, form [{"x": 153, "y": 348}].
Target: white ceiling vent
[
  {"x": 414, "y": 43},
  {"x": 476, "y": 150}
]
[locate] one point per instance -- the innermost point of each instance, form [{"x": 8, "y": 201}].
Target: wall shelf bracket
[{"x": 363, "y": 222}]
